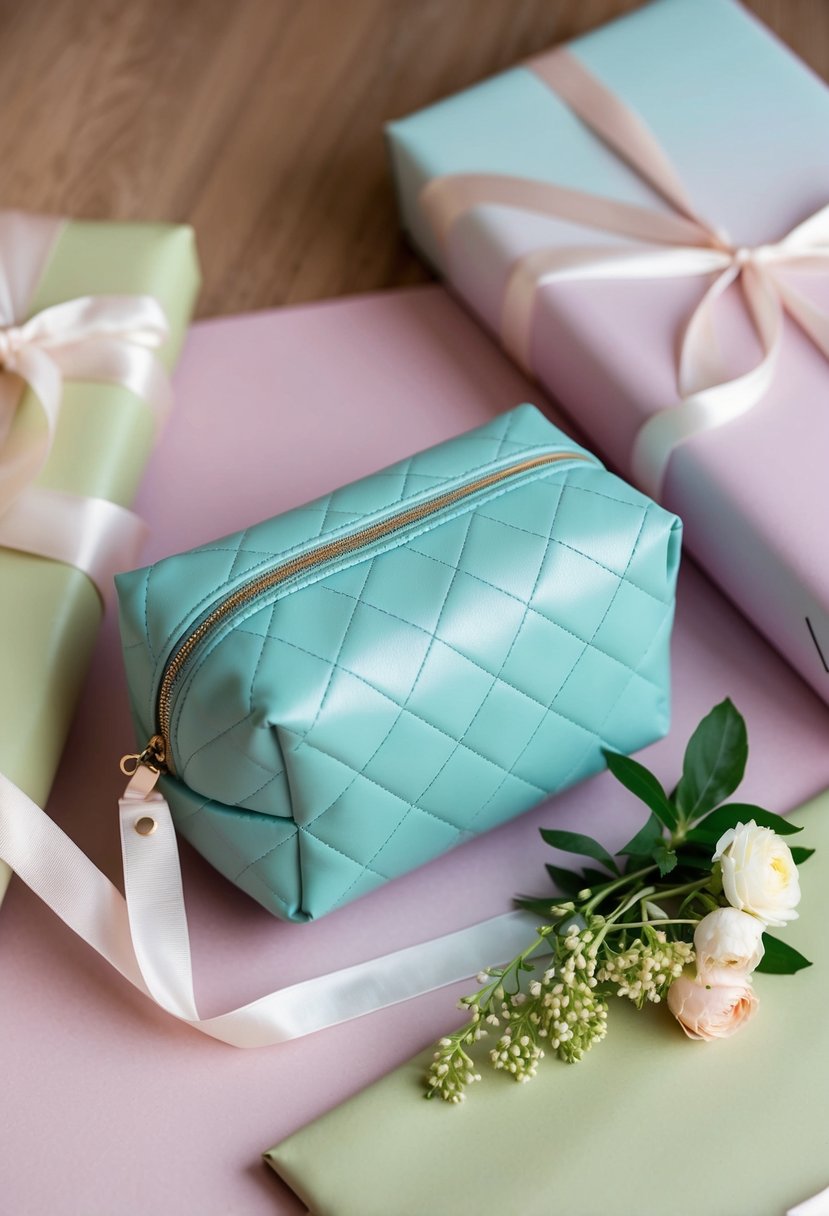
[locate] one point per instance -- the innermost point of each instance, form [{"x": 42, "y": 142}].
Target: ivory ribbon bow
[
  {"x": 659, "y": 245},
  {"x": 107, "y": 338}
]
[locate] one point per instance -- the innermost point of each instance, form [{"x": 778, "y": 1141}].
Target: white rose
[
  {"x": 758, "y": 873},
  {"x": 727, "y": 943},
  {"x": 706, "y": 1011}
]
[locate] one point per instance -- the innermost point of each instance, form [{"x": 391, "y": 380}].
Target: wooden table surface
[{"x": 259, "y": 121}]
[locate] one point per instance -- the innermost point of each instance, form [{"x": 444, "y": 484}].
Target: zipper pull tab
[
  {"x": 152, "y": 759},
  {"x": 139, "y": 787}
]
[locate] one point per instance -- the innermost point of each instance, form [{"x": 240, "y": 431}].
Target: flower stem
[
  {"x": 624, "y": 907},
  {"x": 602, "y": 892},
  {"x": 641, "y": 924},
  {"x": 685, "y": 888}
]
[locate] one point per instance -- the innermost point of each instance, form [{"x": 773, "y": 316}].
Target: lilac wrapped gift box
[{"x": 744, "y": 124}]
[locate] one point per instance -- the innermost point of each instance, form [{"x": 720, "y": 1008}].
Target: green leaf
[
  {"x": 566, "y": 881},
  {"x": 641, "y": 782},
  {"x": 575, "y": 842},
  {"x": 700, "y": 862},
  {"x": 715, "y": 760},
  {"x": 799, "y": 854},
  {"x": 711, "y": 828},
  {"x": 666, "y": 859},
  {"x": 649, "y": 837},
  {"x": 781, "y": 959}
]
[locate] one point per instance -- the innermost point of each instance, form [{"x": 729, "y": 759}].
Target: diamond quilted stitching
[
  {"x": 413, "y": 589},
  {"x": 484, "y": 670},
  {"x": 362, "y": 821},
  {"x": 359, "y": 816},
  {"x": 297, "y": 527},
  {"x": 365, "y": 572},
  {"x": 319, "y": 617},
  {"x": 574, "y": 591},
  {"x": 447, "y": 668},
  {"x": 237, "y": 841},
  {"x": 409, "y": 758},
  {"x": 541, "y": 657},
  {"x": 591, "y": 654},
  {"x": 511, "y": 797},
  {"x": 504, "y": 725},
  {"x": 420, "y": 732},
  {"x": 229, "y": 703},
  {"x": 444, "y": 544},
  {"x": 396, "y": 771},
  {"x": 580, "y": 523},
  {"x": 240, "y": 551},
  {"x": 658, "y": 707},
  {"x": 535, "y": 515},
  {"x": 410, "y": 845},
  {"x": 652, "y": 582},
  {"x": 479, "y": 617},
  {"x": 328, "y": 872},
  {"x": 486, "y": 536},
  {"x": 643, "y": 618},
  {"x": 582, "y": 764},
  {"x": 461, "y": 784},
  {"x": 366, "y": 713},
  {"x": 533, "y": 609},
  {"x": 389, "y": 659},
  {"x": 256, "y": 766},
  {"x": 594, "y": 670}
]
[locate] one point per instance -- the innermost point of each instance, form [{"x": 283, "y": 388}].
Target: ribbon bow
[
  {"x": 109, "y": 338},
  {"x": 658, "y": 244}
]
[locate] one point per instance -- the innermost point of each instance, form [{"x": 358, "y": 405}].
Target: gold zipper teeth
[{"x": 316, "y": 557}]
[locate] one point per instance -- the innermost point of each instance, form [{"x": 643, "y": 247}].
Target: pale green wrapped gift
[
  {"x": 649, "y": 1124},
  {"x": 106, "y": 304}
]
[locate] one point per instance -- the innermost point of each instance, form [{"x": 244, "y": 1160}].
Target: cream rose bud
[
  {"x": 758, "y": 873},
  {"x": 727, "y": 943},
  {"x": 711, "y": 1011}
]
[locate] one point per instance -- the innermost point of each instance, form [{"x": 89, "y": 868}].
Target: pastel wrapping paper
[
  {"x": 648, "y": 1123},
  {"x": 50, "y": 612},
  {"x": 744, "y": 123}
]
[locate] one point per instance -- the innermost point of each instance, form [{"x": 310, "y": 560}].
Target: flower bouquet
[{"x": 679, "y": 915}]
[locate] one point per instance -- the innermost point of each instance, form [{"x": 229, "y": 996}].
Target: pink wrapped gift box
[{"x": 744, "y": 124}]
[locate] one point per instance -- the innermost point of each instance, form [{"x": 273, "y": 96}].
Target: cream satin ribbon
[
  {"x": 145, "y": 935},
  {"x": 661, "y": 244},
  {"x": 106, "y": 338}
]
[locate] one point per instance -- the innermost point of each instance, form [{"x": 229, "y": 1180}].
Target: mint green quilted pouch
[{"x": 343, "y": 692}]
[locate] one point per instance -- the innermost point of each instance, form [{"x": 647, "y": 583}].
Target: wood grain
[{"x": 260, "y": 121}]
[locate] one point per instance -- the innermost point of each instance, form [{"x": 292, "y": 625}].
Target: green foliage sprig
[{"x": 698, "y": 883}]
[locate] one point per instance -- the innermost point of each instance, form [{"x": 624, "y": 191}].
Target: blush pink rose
[{"x": 711, "y": 1011}]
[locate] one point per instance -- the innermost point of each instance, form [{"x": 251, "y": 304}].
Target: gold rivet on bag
[{"x": 145, "y": 826}]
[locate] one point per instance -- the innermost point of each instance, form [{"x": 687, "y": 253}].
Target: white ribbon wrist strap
[{"x": 145, "y": 935}]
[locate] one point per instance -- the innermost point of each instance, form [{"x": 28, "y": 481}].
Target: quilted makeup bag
[{"x": 341, "y": 693}]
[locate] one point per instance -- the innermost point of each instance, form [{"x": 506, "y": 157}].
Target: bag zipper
[{"x": 156, "y": 755}]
